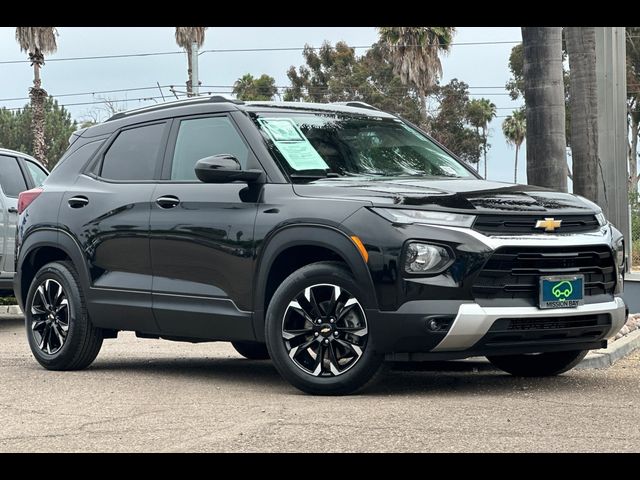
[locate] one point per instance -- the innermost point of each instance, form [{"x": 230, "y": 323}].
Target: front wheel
[
  {"x": 538, "y": 364},
  {"x": 317, "y": 331}
]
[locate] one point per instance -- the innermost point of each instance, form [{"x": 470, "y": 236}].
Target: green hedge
[{"x": 8, "y": 301}]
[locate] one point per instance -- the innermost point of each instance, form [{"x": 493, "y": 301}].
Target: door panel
[
  {"x": 112, "y": 230},
  {"x": 202, "y": 260},
  {"x": 202, "y": 236},
  {"x": 12, "y": 182}
]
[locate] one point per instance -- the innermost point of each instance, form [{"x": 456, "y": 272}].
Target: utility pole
[
  {"x": 195, "y": 83},
  {"x": 611, "y": 90}
]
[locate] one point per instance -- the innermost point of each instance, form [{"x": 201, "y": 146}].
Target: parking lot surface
[{"x": 154, "y": 395}]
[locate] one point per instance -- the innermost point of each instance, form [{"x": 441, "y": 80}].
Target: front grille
[
  {"x": 514, "y": 272},
  {"x": 519, "y": 224},
  {"x": 514, "y": 331}
]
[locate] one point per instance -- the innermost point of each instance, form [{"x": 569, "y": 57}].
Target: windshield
[{"x": 309, "y": 146}]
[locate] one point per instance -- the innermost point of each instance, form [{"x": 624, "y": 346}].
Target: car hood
[{"x": 446, "y": 194}]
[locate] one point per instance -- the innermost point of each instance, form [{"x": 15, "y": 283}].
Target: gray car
[{"x": 18, "y": 172}]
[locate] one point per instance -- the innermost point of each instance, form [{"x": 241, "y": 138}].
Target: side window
[
  {"x": 203, "y": 137},
  {"x": 11, "y": 178},
  {"x": 134, "y": 154},
  {"x": 37, "y": 173}
]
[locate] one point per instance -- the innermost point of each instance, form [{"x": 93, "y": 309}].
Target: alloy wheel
[
  {"x": 50, "y": 316},
  {"x": 324, "y": 330}
]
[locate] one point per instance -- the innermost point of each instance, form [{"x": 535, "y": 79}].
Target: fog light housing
[{"x": 426, "y": 258}]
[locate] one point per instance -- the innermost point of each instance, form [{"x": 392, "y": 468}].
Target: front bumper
[
  {"x": 473, "y": 321},
  {"x": 473, "y": 330}
]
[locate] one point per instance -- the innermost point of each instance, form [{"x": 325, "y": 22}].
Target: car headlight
[
  {"x": 426, "y": 258},
  {"x": 602, "y": 220},
  {"x": 404, "y": 216}
]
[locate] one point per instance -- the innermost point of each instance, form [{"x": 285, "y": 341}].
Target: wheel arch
[
  {"x": 313, "y": 239},
  {"x": 44, "y": 246}
]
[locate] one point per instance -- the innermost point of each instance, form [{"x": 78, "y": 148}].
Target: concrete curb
[
  {"x": 10, "y": 310},
  {"x": 606, "y": 357}
]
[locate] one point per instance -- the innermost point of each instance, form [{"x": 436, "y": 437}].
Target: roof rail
[
  {"x": 357, "y": 104},
  {"x": 176, "y": 103}
]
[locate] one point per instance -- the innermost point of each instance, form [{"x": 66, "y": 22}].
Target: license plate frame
[{"x": 561, "y": 291}]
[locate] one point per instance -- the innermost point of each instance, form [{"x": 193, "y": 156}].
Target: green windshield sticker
[{"x": 292, "y": 144}]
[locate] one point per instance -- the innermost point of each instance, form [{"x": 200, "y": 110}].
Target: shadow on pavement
[{"x": 433, "y": 378}]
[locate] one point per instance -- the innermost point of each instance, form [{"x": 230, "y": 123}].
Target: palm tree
[
  {"x": 243, "y": 88},
  {"x": 514, "y": 128},
  {"x": 480, "y": 113},
  {"x": 544, "y": 98},
  {"x": 185, "y": 38},
  {"x": 581, "y": 46},
  {"x": 37, "y": 42},
  {"x": 414, "y": 52}
]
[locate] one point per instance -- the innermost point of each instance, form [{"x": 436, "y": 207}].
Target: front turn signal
[{"x": 360, "y": 246}]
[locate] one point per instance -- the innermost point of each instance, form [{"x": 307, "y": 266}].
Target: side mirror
[{"x": 224, "y": 168}]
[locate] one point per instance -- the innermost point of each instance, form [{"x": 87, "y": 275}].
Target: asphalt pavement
[{"x": 161, "y": 396}]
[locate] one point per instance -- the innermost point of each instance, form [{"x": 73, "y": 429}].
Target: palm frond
[
  {"x": 185, "y": 36},
  {"x": 37, "y": 39}
]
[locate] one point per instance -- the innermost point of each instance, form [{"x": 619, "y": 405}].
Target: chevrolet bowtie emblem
[{"x": 549, "y": 224}]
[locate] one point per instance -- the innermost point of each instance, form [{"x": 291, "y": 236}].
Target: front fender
[{"x": 324, "y": 236}]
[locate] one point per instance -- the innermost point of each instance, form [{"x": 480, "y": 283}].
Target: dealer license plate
[{"x": 561, "y": 291}]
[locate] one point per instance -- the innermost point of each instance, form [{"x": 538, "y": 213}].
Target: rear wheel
[
  {"x": 251, "y": 350},
  {"x": 538, "y": 364},
  {"x": 60, "y": 333},
  {"x": 317, "y": 331}
]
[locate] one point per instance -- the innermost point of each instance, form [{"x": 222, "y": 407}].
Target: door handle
[
  {"x": 12, "y": 210},
  {"x": 168, "y": 201},
  {"x": 78, "y": 201}
]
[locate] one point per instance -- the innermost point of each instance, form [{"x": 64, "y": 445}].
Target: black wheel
[
  {"x": 538, "y": 364},
  {"x": 59, "y": 330},
  {"x": 317, "y": 331},
  {"x": 251, "y": 350}
]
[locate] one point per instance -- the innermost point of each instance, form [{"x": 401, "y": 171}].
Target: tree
[
  {"x": 249, "y": 88},
  {"x": 15, "y": 129},
  {"x": 37, "y": 42},
  {"x": 544, "y": 98},
  {"x": 185, "y": 38},
  {"x": 480, "y": 112},
  {"x": 515, "y": 85},
  {"x": 415, "y": 55},
  {"x": 514, "y": 128},
  {"x": 633, "y": 103},
  {"x": 581, "y": 46},
  {"x": 451, "y": 125},
  {"x": 336, "y": 74}
]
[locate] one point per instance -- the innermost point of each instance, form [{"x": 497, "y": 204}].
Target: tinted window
[
  {"x": 204, "y": 137},
  {"x": 134, "y": 154},
  {"x": 11, "y": 177},
  {"x": 37, "y": 173}
]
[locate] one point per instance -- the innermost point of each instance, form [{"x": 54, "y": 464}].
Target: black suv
[{"x": 325, "y": 236}]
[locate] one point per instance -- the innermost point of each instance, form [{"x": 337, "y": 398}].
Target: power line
[
  {"x": 231, "y": 50},
  {"x": 280, "y": 87}
]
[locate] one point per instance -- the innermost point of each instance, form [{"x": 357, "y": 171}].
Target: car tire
[
  {"x": 336, "y": 356},
  {"x": 251, "y": 350},
  {"x": 540, "y": 364},
  {"x": 60, "y": 333}
]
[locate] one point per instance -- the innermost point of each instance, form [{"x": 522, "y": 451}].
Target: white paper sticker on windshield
[{"x": 293, "y": 145}]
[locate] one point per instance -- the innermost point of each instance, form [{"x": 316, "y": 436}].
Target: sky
[{"x": 483, "y": 67}]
